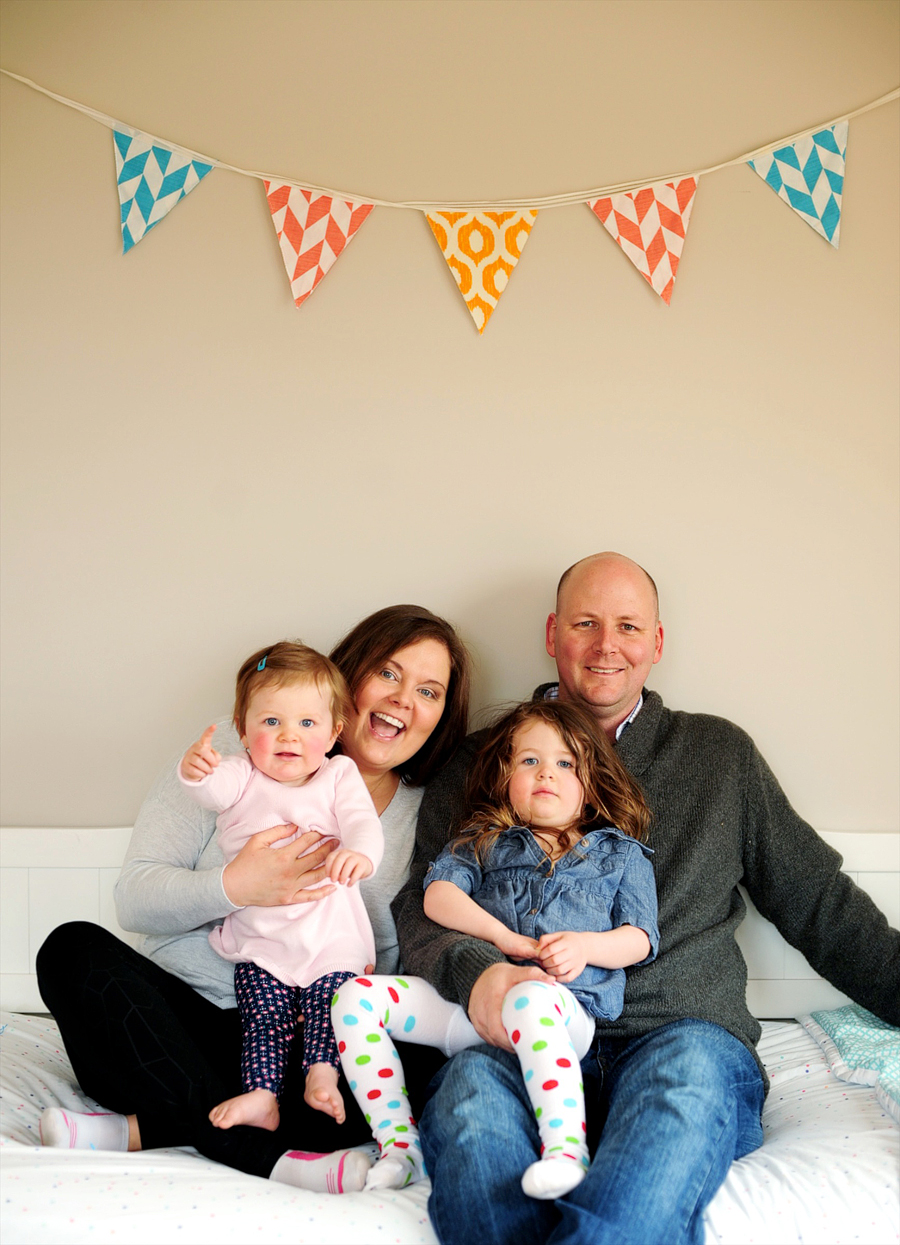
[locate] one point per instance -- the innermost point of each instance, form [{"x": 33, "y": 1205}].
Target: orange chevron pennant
[
  {"x": 313, "y": 229},
  {"x": 650, "y": 226},
  {"x": 481, "y": 250}
]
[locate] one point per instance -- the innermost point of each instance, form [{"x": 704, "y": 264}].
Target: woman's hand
[
  {"x": 267, "y": 876},
  {"x": 347, "y": 867},
  {"x": 201, "y": 758},
  {"x": 564, "y": 955}
]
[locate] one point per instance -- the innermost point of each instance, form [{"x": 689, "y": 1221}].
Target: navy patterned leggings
[{"x": 269, "y": 1011}]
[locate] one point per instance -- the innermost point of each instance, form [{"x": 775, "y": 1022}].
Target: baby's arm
[
  {"x": 347, "y": 867},
  {"x": 361, "y": 836},
  {"x": 450, "y": 906},
  {"x": 566, "y": 954},
  {"x": 201, "y": 758}
]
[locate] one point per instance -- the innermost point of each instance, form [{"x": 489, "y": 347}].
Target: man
[{"x": 673, "y": 1087}]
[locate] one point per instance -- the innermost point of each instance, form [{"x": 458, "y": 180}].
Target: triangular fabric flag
[
  {"x": 809, "y": 175},
  {"x": 312, "y": 231},
  {"x": 650, "y": 226},
  {"x": 481, "y": 250},
  {"x": 151, "y": 179}
]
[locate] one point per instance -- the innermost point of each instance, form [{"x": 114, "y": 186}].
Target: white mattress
[{"x": 826, "y": 1175}]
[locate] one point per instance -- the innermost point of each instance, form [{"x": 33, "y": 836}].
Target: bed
[{"x": 827, "y": 1173}]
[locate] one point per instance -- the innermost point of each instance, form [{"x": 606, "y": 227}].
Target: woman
[{"x": 155, "y": 1037}]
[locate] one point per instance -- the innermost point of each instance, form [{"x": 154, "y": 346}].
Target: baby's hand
[
  {"x": 346, "y": 867},
  {"x": 201, "y": 758},
  {"x": 563, "y": 955},
  {"x": 517, "y": 946}
]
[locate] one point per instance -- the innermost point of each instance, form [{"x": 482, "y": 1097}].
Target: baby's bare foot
[
  {"x": 258, "y": 1108},
  {"x": 321, "y": 1091}
]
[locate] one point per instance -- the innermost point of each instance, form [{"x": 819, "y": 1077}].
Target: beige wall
[{"x": 194, "y": 468}]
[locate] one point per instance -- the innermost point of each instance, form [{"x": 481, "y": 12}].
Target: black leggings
[{"x": 142, "y": 1042}]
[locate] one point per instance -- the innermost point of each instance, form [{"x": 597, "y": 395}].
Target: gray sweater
[{"x": 719, "y": 818}]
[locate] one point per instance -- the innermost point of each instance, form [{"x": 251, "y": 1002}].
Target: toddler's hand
[
  {"x": 346, "y": 867},
  {"x": 563, "y": 955},
  {"x": 201, "y": 758},
  {"x": 517, "y": 946}
]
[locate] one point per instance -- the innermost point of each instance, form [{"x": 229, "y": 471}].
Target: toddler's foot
[
  {"x": 552, "y": 1178},
  {"x": 258, "y": 1108},
  {"x": 321, "y": 1091},
  {"x": 93, "y": 1130},
  {"x": 397, "y": 1168}
]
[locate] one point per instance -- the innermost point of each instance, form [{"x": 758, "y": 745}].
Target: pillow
[{"x": 860, "y": 1048}]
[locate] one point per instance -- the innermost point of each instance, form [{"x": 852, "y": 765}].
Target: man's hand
[
  {"x": 563, "y": 955},
  {"x": 269, "y": 876},
  {"x": 201, "y": 758},
  {"x": 346, "y": 867},
  {"x": 487, "y": 998}
]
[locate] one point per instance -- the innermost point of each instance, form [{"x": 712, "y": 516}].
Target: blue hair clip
[{"x": 262, "y": 664}]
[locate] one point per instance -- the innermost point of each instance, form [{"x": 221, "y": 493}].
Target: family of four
[{"x": 358, "y": 922}]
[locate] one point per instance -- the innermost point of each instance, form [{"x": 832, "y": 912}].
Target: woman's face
[{"x": 398, "y": 707}]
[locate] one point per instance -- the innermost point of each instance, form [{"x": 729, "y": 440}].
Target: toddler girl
[
  {"x": 550, "y": 869},
  {"x": 290, "y": 707}
]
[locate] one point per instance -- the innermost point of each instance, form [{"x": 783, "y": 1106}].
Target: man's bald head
[
  {"x": 609, "y": 556},
  {"x": 605, "y": 635}
]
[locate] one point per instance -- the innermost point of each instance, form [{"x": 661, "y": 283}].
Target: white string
[{"x": 549, "y": 201}]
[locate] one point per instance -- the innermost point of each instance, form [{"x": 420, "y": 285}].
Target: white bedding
[{"x": 826, "y": 1175}]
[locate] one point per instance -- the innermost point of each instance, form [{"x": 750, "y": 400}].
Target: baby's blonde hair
[{"x": 285, "y": 663}]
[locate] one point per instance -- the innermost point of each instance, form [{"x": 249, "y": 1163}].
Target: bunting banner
[
  {"x": 650, "y": 226},
  {"x": 481, "y": 242},
  {"x": 151, "y": 179},
  {"x": 809, "y": 175},
  {"x": 312, "y": 231},
  {"x": 481, "y": 250}
]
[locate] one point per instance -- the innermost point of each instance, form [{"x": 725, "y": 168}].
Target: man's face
[{"x": 605, "y": 637}]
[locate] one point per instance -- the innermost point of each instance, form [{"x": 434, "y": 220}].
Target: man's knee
[
  {"x": 696, "y": 1071},
  {"x": 480, "y": 1080}
]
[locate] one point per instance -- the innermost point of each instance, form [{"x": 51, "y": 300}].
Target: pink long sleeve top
[{"x": 297, "y": 943}]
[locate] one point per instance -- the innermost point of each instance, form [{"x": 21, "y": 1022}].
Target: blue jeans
[{"x": 676, "y": 1106}]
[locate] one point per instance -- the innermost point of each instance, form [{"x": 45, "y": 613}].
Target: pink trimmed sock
[
  {"x": 92, "y": 1130},
  {"x": 343, "y": 1171}
]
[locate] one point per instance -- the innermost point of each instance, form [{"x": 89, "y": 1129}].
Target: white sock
[
  {"x": 552, "y": 1178},
  {"x": 343, "y": 1171},
  {"x": 94, "y": 1130}
]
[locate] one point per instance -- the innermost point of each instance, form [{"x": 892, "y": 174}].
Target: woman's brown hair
[
  {"x": 365, "y": 649},
  {"x": 611, "y": 796}
]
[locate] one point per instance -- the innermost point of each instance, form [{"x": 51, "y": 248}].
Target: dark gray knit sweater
[{"x": 719, "y": 818}]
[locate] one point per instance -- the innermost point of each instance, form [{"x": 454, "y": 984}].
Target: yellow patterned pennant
[{"x": 481, "y": 250}]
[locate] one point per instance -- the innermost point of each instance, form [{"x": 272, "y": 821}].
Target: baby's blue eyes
[
  {"x": 303, "y": 722},
  {"x": 565, "y": 764},
  {"x": 271, "y": 721},
  {"x": 307, "y": 722}
]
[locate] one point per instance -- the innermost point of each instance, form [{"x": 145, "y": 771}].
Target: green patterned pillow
[{"x": 861, "y": 1049}]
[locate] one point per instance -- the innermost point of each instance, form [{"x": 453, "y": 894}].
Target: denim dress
[{"x": 604, "y": 881}]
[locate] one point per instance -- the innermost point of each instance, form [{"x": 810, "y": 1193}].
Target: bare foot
[
  {"x": 321, "y": 1091},
  {"x": 258, "y": 1108}
]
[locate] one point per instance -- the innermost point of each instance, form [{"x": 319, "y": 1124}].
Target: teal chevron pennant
[
  {"x": 809, "y": 175},
  {"x": 151, "y": 179}
]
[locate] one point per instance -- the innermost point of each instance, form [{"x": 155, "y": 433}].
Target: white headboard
[{"x": 51, "y": 876}]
